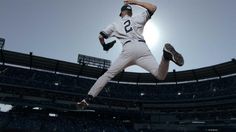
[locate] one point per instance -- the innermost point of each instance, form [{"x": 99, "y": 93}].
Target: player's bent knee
[{"x": 160, "y": 77}]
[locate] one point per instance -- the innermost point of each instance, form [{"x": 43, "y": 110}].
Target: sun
[{"x": 151, "y": 34}]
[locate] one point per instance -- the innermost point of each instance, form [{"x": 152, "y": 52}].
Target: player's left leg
[{"x": 123, "y": 61}]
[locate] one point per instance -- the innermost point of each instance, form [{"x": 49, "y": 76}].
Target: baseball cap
[{"x": 125, "y": 7}]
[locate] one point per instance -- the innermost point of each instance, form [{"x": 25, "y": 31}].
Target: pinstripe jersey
[{"x": 128, "y": 28}]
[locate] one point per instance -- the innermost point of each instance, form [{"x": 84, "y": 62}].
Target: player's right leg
[
  {"x": 120, "y": 64},
  {"x": 170, "y": 53},
  {"x": 149, "y": 63}
]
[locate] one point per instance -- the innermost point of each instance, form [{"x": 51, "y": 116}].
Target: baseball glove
[{"x": 107, "y": 46}]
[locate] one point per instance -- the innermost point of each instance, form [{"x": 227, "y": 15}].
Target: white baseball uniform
[{"x": 135, "y": 51}]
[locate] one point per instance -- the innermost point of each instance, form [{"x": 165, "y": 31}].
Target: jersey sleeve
[
  {"x": 107, "y": 32},
  {"x": 143, "y": 17}
]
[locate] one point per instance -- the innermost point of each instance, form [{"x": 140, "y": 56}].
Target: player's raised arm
[{"x": 150, "y": 7}]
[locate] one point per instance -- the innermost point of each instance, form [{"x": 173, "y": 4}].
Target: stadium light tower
[{"x": 2, "y": 42}]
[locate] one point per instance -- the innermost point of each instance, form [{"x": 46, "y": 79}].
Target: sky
[{"x": 204, "y": 31}]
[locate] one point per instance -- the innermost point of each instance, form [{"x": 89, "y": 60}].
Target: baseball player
[{"x": 134, "y": 50}]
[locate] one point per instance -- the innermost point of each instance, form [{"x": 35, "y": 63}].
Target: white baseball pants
[{"x": 133, "y": 53}]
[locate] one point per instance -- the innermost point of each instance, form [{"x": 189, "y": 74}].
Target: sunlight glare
[{"x": 151, "y": 34}]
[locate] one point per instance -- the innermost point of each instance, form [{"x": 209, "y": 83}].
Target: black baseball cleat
[
  {"x": 82, "y": 104},
  {"x": 170, "y": 53}
]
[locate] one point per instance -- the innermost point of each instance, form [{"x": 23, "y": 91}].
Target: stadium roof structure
[{"x": 36, "y": 62}]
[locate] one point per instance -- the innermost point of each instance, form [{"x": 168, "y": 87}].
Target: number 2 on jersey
[{"x": 128, "y": 28}]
